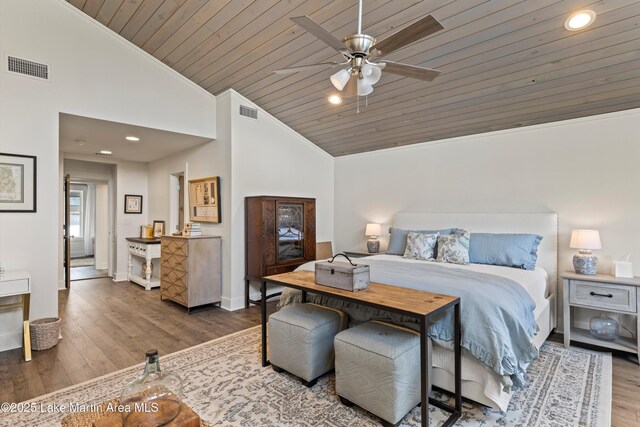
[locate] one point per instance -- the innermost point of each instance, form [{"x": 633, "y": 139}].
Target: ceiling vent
[
  {"x": 28, "y": 68},
  {"x": 248, "y": 112},
  {"x": 103, "y": 154}
]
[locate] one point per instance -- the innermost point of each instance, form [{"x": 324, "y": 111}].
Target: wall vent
[
  {"x": 28, "y": 68},
  {"x": 248, "y": 112}
]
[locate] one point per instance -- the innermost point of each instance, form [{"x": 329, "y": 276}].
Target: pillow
[
  {"x": 507, "y": 250},
  {"x": 421, "y": 246},
  {"x": 398, "y": 239},
  {"x": 454, "y": 248}
]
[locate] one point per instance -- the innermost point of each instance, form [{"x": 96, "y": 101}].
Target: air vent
[
  {"x": 28, "y": 68},
  {"x": 103, "y": 154},
  {"x": 248, "y": 112}
]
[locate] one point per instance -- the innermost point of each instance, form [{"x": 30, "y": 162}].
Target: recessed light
[
  {"x": 132, "y": 138},
  {"x": 106, "y": 152},
  {"x": 580, "y": 20},
  {"x": 335, "y": 99}
]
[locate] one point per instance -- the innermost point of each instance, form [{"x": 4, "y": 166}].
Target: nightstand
[
  {"x": 601, "y": 292},
  {"x": 357, "y": 254}
]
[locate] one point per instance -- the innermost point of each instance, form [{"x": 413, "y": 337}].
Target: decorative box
[
  {"x": 622, "y": 269},
  {"x": 342, "y": 275}
]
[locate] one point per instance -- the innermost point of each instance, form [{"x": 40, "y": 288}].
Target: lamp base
[
  {"x": 585, "y": 263},
  {"x": 373, "y": 246}
]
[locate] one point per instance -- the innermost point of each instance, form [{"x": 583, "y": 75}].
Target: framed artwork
[
  {"x": 17, "y": 183},
  {"x": 204, "y": 199},
  {"x": 132, "y": 204},
  {"x": 158, "y": 228}
]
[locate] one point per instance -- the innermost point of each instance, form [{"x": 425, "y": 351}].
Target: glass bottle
[{"x": 154, "y": 398}]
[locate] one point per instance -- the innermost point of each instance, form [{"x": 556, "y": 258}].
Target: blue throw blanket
[{"x": 496, "y": 313}]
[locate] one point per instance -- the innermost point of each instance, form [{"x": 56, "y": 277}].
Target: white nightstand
[{"x": 601, "y": 292}]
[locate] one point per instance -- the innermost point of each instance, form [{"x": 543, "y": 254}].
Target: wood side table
[
  {"x": 606, "y": 293},
  {"x": 18, "y": 283}
]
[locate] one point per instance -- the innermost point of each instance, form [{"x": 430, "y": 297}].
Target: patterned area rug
[{"x": 225, "y": 384}]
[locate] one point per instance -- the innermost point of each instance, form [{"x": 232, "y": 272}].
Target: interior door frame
[{"x": 66, "y": 232}]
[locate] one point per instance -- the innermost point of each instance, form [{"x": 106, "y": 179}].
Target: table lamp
[
  {"x": 584, "y": 262},
  {"x": 373, "y": 231}
]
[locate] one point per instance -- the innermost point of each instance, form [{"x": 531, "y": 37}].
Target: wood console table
[
  {"x": 18, "y": 283},
  {"x": 413, "y": 303}
]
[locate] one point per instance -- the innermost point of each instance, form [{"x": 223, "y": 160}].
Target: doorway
[{"x": 89, "y": 220}]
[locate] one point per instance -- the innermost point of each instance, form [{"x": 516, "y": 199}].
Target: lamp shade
[
  {"x": 340, "y": 79},
  {"x": 373, "y": 230},
  {"x": 585, "y": 239}
]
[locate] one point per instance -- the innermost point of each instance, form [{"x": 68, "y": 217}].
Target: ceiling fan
[{"x": 358, "y": 50}]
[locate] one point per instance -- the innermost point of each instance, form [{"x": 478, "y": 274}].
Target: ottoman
[
  {"x": 378, "y": 369},
  {"x": 301, "y": 340}
]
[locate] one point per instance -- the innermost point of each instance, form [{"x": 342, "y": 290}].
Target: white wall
[
  {"x": 268, "y": 158},
  {"x": 586, "y": 170},
  {"x": 94, "y": 73},
  {"x": 101, "y": 256}
]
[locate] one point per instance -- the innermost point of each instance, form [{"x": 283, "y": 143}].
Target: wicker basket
[{"x": 44, "y": 333}]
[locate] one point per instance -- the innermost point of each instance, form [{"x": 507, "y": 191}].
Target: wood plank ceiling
[{"x": 504, "y": 63}]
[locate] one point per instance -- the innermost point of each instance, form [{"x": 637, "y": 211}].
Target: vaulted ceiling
[{"x": 504, "y": 63}]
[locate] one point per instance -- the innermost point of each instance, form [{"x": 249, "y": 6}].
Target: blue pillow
[
  {"x": 398, "y": 239},
  {"x": 507, "y": 250}
]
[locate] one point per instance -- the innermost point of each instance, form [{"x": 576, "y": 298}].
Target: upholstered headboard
[{"x": 544, "y": 224}]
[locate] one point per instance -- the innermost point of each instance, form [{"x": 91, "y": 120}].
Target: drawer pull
[{"x": 594, "y": 294}]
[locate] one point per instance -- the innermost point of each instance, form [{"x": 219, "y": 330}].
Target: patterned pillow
[
  {"x": 421, "y": 246},
  {"x": 454, "y": 248}
]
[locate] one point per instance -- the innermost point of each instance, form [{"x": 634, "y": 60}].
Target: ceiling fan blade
[
  {"x": 414, "y": 32},
  {"x": 314, "y": 28},
  {"x": 351, "y": 88},
  {"x": 295, "y": 69},
  {"x": 420, "y": 73}
]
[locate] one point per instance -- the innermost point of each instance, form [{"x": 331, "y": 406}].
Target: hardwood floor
[{"x": 108, "y": 326}]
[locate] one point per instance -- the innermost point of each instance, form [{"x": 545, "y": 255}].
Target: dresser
[
  {"x": 142, "y": 252},
  {"x": 13, "y": 284},
  {"x": 604, "y": 293},
  {"x": 191, "y": 270},
  {"x": 280, "y": 235}
]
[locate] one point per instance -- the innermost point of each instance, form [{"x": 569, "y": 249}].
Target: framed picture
[
  {"x": 158, "y": 228},
  {"x": 204, "y": 199},
  {"x": 132, "y": 204},
  {"x": 17, "y": 183}
]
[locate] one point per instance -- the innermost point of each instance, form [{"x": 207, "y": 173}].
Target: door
[{"x": 66, "y": 234}]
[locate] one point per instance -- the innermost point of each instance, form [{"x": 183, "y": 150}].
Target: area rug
[{"x": 226, "y": 385}]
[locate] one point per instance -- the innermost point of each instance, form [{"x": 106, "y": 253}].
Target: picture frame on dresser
[
  {"x": 204, "y": 200},
  {"x": 18, "y": 183},
  {"x": 158, "y": 228}
]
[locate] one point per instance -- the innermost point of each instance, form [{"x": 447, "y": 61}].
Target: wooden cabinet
[
  {"x": 280, "y": 235},
  {"x": 191, "y": 270}
]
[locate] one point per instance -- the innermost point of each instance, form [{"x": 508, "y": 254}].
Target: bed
[{"x": 480, "y": 383}]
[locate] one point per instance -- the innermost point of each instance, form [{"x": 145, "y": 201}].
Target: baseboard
[
  {"x": 102, "y": 266},
  {"x": 120, "y": 277},
  {"x": 232, "y": 304},
  {"x": 61, "y": 285},
  {"x": 10, "y": 341}
]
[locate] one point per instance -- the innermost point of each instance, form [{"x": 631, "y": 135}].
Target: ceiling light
[
  {"x": 132, "y": 138},
  {"x": 106, "y": 152},
  {"x": 335, "y": 99},
  {"x": 340, "y": 79},
  {"x": 580, "y": 20}
]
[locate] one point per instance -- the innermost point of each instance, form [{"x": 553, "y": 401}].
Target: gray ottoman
[
  {"x": 301, "y": 340},
  {"x": 378, "y": 369}
]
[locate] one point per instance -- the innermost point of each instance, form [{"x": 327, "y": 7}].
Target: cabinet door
[{"x": 290, "y": 241}]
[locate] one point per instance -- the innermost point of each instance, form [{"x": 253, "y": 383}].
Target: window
[{"x": 76, "y": 213}]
